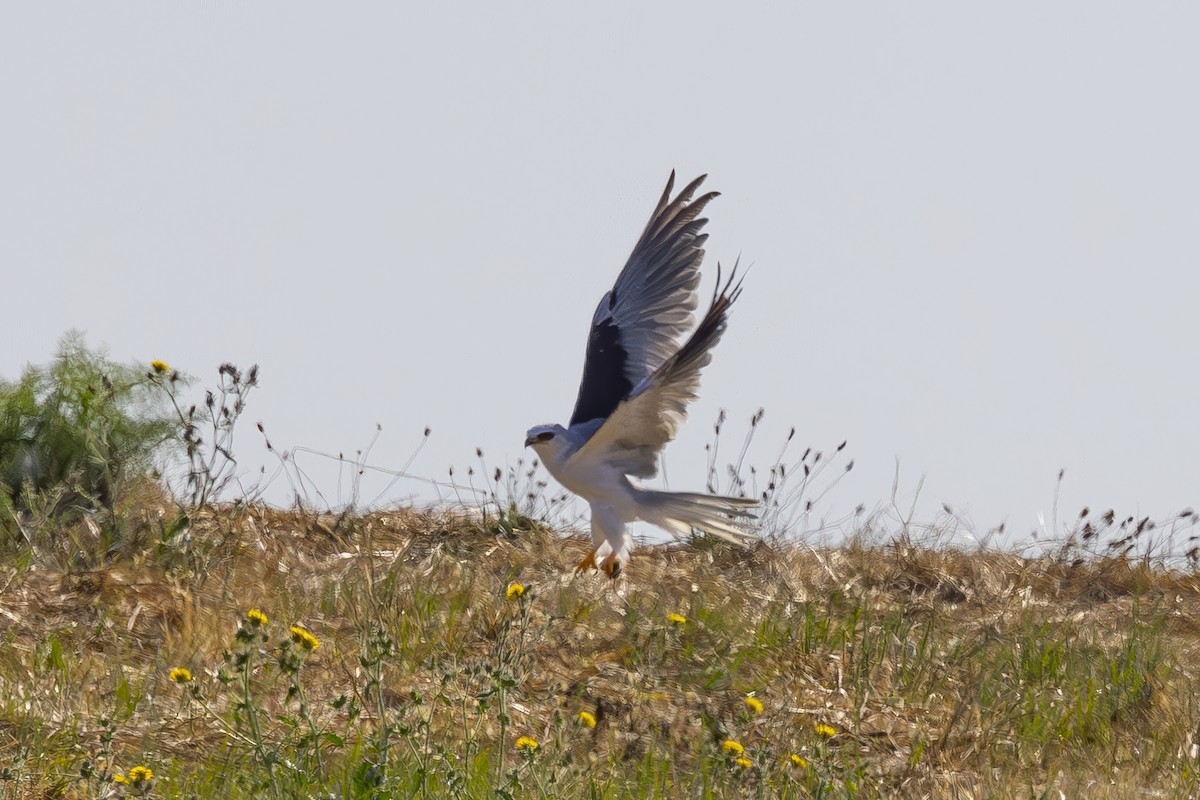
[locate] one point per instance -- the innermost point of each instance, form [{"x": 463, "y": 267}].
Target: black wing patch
[{"x": 604, "y": 383}]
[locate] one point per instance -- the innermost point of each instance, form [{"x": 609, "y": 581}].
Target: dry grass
[{"x": 943, "y": 673}]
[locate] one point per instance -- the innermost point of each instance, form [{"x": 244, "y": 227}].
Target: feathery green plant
[{"x": 73, "y": 435}]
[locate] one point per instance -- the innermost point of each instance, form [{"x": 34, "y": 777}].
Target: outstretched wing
[
  {"x": 638, "y": 323},
  {"x": 640, "y": 426}
]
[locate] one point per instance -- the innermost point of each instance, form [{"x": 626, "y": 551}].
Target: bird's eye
[{"x": 545, "y": 436}]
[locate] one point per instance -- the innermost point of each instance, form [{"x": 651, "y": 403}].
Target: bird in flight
[{"x": 637, "y": 383}]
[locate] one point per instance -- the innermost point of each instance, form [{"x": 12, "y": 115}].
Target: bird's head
[{"x": 546, "y": 439}]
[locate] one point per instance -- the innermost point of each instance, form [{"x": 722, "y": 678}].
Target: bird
[{"x": 637, "y": 383}]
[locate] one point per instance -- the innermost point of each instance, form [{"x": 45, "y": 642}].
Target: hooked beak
[{"x": 529, "y": 440}]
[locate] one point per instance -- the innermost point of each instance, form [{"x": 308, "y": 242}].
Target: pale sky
[{"x": 975, "y": 233}]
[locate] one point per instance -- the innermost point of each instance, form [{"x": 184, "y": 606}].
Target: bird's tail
[{"x": 679, "y": 512}]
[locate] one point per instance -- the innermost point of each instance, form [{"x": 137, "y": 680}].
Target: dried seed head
[{"x": 1083, "y": 513}]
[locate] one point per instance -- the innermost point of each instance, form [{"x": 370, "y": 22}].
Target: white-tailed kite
[{"x": 637, "y": 382}]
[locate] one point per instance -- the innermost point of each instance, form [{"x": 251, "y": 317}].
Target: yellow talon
[
  {"x": 587, "y": 563},
  {"x": 611, "y": 566}
]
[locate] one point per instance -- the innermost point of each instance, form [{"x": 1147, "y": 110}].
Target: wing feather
[
  {"x": 637, "y": 430},
  {"x": 638, "y": 322}
]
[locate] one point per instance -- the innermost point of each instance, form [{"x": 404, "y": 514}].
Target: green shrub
[{"x": 75, "y": 433}]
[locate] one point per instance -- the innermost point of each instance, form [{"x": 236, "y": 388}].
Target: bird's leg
[
  {"x": 589, "y": 562},
  {"x": 611, "y": 566}
]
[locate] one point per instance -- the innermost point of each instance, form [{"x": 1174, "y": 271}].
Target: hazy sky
[{"x": 975, "y": 233}]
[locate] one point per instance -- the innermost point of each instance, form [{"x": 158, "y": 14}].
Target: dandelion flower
[
  {"x": 119, "y": 778},
  {"x": 181, "y": 675},
  {"x": 744, "y": 762},
  {"x": 586, "y": 719},
  {"x": 139, "y": 774},
  {"x": 527, "y": 743},
  {"x": 256, "y": 617},
  {"x": 754, "y": 704},
  {"x": 515, "y": 591},
  {"x": 303, "y": 638},
  {"x": 824, "y": 731},
  {"x": 733, "y": 746},
  {"x": 160, "y": 366},
  {"x": 676, "y": 619},
  {"x": 799, "y": 760}
]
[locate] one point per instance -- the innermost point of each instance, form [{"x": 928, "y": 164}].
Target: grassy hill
[
  {"x": 160, "y": 643},
  {"x": 393, "y": 654}
]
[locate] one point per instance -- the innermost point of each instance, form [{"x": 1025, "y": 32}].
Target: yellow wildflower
[
  {"x": 303, "y": 638},
  {"x": 744, "y": 762},
  {"x": 139, "y": 774},
  {"x": 160, "y": 366},
  {"x": 799, "y": 760},
  {"x": 119, "y": 778},
  {"x": 181, "y": 675},
  {"x": 824, "y": 731},
  {"x": 733, "y": 746},
  {"x": 256, "y": 617},
  {"x": 754, "y": 704},
  {"x": 515, "y": 591},
  {"x": 676, "y": 619},
  {"x": 586, "y": 719},
  {"x": 527, "y": 743}
]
